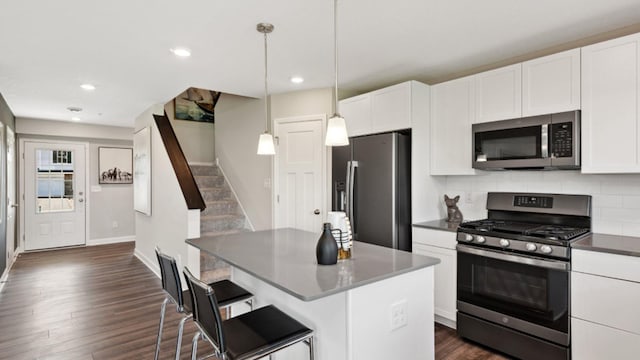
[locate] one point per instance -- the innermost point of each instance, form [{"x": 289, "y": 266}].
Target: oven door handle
[{"x": 520, "y": 259}]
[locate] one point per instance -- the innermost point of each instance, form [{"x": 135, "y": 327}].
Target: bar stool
[
  {"x": 249, "y": 336},
  {"x": 230, "y": 293}
]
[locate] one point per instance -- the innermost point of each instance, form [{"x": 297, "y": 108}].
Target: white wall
[
  {"x": 616, "y": 198},
  {"x": 197, "y": 139},
  {"x": 167, "y": 227},
  {"x": 113, "y": 202},
  {"x": 239, "y": 122}
]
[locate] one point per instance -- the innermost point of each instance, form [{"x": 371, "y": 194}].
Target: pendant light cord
[
  {"x": 266, "y": 93},
  {"x": 335, "y": 53}
]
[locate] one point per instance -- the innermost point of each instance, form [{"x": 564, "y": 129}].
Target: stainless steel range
[{"x": 513, "y": 273}]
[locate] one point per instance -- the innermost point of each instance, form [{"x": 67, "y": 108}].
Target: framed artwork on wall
[
  {"x": 196, "y": 105},
  {"x": 115, "y": 165},
  {"x": 142, "y": 171}
]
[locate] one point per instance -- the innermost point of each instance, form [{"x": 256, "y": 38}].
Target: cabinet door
[
  {"x": 610, "y": 103},
  {"x": 499, "y": 94},
  {"x": 444, "y": 279},
  {"x": 452, "y": 112},
  {"x": 591, "y": 341},
  {"x": 357, "y": 114},
  {"x": 391, "y": 108},
  {"x": 551, "y": 84}
]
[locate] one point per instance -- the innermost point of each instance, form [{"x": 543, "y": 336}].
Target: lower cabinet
[
  {"x": 444, "y": 273},
  {"x": 605, "y": 321}
]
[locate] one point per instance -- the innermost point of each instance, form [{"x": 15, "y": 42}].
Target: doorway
[
  {"x": 300, "y": 173},
  {"x": 54, "y": 194},
  {"x": 12, "y": 203}
]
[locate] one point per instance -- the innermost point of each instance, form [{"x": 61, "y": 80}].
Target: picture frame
[
  {"x": 142, "y": 171},
  {"x": 115, "y": 165},
  {"x": 196, "y": 104}
]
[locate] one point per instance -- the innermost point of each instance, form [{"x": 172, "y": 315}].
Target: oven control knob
[
  {"x": 546, "y": 249},
  {"x": 504, "y": 242},
  {"x": 480, "y": 239},
  {"x": 531, "y": 247},
  {"x": 467, "y": 237}
]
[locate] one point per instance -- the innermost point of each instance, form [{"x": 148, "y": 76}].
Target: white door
[
  {"x": 54, "y": 193},
  {"x": 12, "y": 204},
  {"x": 300, "y": 183}
]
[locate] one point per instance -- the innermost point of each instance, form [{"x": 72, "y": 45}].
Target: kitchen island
[{"x": 376, "y": 305}]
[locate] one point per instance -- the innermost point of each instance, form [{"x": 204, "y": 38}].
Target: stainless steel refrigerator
[{"x": 371, "y": 181}]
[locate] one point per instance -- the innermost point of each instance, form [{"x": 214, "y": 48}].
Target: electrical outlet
[
  {"x": 114, "y": 224},
  {"x": 399, "y": 311},
  {"x": 468, "y": 198}
]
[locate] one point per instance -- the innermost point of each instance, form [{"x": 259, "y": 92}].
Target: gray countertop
[
  {"x": 441, "y": 224},
  {"x": 286, "y": 259},
  {"x": 615, "y": 244}
]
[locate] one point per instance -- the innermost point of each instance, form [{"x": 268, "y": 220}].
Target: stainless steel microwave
[{"x": 537, "y": 142}]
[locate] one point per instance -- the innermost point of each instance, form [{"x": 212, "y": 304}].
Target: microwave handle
[{"x": 544, "y": 141}]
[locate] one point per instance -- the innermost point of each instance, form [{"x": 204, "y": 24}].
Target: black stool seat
[
  {"x": 228, "y": 293},
  {"x": 261, "y": 330}
]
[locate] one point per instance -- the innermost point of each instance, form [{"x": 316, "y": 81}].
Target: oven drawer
[
  {"x": 596, "y": 342},
  {"x": 606, "y": 301}
]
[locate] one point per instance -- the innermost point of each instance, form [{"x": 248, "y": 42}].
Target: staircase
[{"x": 222, "y": 216}]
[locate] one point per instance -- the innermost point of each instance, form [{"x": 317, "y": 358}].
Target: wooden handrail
[{"x": 186, "y": 180}]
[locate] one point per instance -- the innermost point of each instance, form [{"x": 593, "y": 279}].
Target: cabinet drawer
[
  {"x": 442, "y": 239},
  {"x": 596, "y": 342},
  {"x": 606, "y": 301},
  {"x": 610, "y": 265}
]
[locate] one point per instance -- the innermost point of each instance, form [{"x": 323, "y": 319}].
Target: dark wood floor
[{"x": 101, "y": 302}]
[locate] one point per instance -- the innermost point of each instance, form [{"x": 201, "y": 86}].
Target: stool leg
[
  {"x": 311, "y": 352},
  {"x": 180, "y": 331},
  {"x": 194, "y": 346},
  {"x": 162, "y": 311}
]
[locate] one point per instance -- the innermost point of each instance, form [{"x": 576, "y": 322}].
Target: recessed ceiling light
[
  {"x": 297, "y": 79},
  {"x": 75, "y": 118},
  {"x": 74, "y": 109},
  {"x": 181, "y": 52},
  {"x": 88, "y": 87}
]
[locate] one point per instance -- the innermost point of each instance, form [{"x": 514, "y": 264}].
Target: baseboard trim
[
  {"x": 147, "y": 262},
  {"x": 446, "y": 322},
  {"x": 112, "y": 240},
  {"x": 5, "y": 274}
]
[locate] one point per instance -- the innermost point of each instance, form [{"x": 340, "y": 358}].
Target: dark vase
[{"x": 327, "y": 248}]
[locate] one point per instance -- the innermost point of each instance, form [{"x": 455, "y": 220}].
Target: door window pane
[{"x": 54, "y": 181}]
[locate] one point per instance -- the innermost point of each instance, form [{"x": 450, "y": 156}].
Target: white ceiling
[{"x": 49, "y": 48}]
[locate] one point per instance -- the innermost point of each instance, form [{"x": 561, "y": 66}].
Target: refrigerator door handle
[
  {"x": 351, "y": 176},
  {"x": 347, "y": 190}
]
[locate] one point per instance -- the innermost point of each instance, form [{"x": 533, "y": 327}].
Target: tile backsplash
[{"x": 616, "y": 198}]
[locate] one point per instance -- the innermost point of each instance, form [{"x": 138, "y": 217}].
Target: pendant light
[
  {"x": 336, "y": 128},
  {"x": 265, "y": 143}
]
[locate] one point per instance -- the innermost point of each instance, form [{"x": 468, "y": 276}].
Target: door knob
[
  {"x": 316, "y": 211},
  {"x": 14, "y": 205},
  {"x": 80, "y": 200}
]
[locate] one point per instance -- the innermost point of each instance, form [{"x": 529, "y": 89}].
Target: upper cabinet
[
  {"x": 551, "y": 84},
  {"x": 452, "y": 113},
  {"x": 499, "y": 94},
  {"x": 610, "y": 103},
  {"x": 383, "y": 110}
]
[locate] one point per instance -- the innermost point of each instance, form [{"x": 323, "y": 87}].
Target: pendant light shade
[
  {"x": 337, "y": 132},
  {"x": 265, "y": 142},
  {"x": 336, "y": 128},
  {"x": 265, "y": 145}
]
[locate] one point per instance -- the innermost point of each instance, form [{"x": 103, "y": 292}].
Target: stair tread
[
  {"x": 223, "y": 216},
  {"x": 226, "y": 232}
]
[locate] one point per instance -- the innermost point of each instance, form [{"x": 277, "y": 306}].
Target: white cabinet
[
  {"x": 452, "y": 113},
  {"x": 499, "y": 94},
  {"x": 605, "y": 289},
  {"x": 551, "y": 84},
  {"x": 441, "y": 245},
  {"x": 387, "y": 109},
  {"x": 610, "y": 103},
  {"x": 357, "y": 114}
]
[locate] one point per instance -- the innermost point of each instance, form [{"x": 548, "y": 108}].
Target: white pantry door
[
  {"x": 299, "y": 161},
  {"x": 12, "y": 202},
  {"x": 54, "y": 193}
]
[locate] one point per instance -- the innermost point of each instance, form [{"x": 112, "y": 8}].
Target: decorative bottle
[{"x": 327, "y": 248}]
